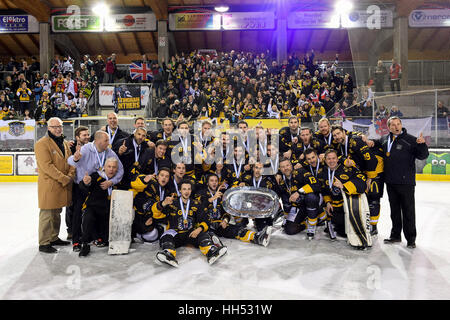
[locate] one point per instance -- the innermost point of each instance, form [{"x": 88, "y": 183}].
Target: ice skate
[
  {"x": 215, "y": 253},
  {"x": 167, "y": 257},
  {"x": 263, "y": 237}
]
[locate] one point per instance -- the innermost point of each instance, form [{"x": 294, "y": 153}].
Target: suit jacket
[{"x": 55, "y": 174}]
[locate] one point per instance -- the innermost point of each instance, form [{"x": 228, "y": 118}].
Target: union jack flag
[{"x": 140, "y": 71}]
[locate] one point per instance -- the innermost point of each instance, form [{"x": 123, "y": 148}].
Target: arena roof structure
[{"x": 354, "y": 44}]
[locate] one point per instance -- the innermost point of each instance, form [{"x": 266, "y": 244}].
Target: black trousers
[
  {"x": 77, "y": 203},
  {"x": 395, "y": 85},
  {"x": 403, "y": 211},
  {"x": 168, "y": 241},
  {"x": 95, "y": 222}
]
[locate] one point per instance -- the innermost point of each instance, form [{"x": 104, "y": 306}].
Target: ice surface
[{"x": 291, "y": 267}]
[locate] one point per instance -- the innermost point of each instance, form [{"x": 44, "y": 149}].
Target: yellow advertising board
[{"x": 7, "y": 164}]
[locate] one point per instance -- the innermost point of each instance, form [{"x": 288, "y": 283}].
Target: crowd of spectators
[
  {"x": 238, "y": 85},
  {"x": 27, "y": 94},
  {"x": 233, "y": 85}
]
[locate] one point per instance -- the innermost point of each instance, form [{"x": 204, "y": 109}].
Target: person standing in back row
[{"x": 400, "y": 151}]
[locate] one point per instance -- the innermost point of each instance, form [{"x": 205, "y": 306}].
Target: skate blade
[
  {"x": 269, "y": 236},
  {"x": 222, "y": 251},
  {"x": 162, "y": 258}
]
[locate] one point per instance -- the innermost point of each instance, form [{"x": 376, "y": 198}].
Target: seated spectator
[
  {"x": 338, "y": 111},
  {"x": 74, "y": 111},
  {"x": 4, "y": 113},
  {"x": 442, "y": 111},
  {"x": 395, "y": 112},
  {"x": 382, "y": 113},
  {"x": 43, "y": 112}
]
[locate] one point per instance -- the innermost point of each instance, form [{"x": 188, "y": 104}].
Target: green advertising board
[{"x": 77, "y": 23}]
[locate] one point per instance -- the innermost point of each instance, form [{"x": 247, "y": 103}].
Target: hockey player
[
  {"x": 357, "y": 153},
  {"x": 289, "y": 135},
  {"x": 313, "y": 164},
  {"x": 165, "y": 134},
  {"x": 211, "y": 199},
  {"x": 131, "y": 154},
  {"x": 187, "y": 223},
  {"x": 96, "y": 206},
  {"x": 306, "y": 141},
  {"x": 299, "y": 191},
  {"x": 152, "y": 160},
  {"x": 257, "y": 180},
  {"x": 179, "y": 175},
  {"x": 334, "y": 178},
  {"x": 324, "y": 134},
  {"x": 151, "y": 207}
]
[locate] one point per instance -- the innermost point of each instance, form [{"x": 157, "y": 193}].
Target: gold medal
[
  {"x": 388, "y": 154},
  {"x": 215, "y": 210},
  {"x": 136, "y": 163},
  {"x": 110, "y": 146},
  {"x": 101, "y": 168}
]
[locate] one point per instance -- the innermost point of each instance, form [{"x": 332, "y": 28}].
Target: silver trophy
[{"x": 251, "y": 202}]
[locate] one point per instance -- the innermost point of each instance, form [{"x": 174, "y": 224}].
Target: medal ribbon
[
  {"x": 100, "y": 161},
  {"x": 238, "y": 172},
  {"x": 331, "y": 178},
  {"x": 185, "y": 213},
  {"x": 317, "y": 170},
  {"x": 136, "y": 154},
  {"x": 176, "y": 186},
  {"x": 389, "y": 143},
  {"x": 111, "y": 140},
  {"x": 257, "y": 184}
]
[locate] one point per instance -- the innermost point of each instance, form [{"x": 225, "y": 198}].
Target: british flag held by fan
[{"x": 141, "y": 71}]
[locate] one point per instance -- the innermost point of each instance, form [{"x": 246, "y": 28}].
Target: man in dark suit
[{"x": 400, "y": 152}]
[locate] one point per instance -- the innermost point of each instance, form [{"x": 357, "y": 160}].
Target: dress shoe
[
  {"x": 392, "y": 240},
  {"x": 59, "y": 242},
  {"x": 85, "y": 249},
  {"x": 411, "y": 245},
  {"x": 47, "y": 248}
]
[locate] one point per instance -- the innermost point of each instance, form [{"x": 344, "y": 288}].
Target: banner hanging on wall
[
  {"x": 77, "y": 23},
  {"x": 425, "y": 18},
  {"x": 248, "y": 21},
  {"x": 194, "y": 21},
  {"x": 127, "y": 97},
  {"x": 18, "y": 24},
  {"x": 106, "y": 95},
  {"x": 130, "y": 22},
  {"x": 379, "y": 129}
]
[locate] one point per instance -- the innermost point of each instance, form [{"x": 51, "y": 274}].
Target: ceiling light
[{"x": 222, "y": 8}]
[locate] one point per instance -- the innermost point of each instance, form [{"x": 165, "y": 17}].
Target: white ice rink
[{"x": 291, "y": 267}]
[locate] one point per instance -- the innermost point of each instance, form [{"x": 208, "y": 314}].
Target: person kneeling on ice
[
  {"x": 97, "y": 205},
  {"x": 299, "y": 193},
  {"x": 211, "y": 198},
  {"x": 187, "y": 224},
  {"x": 334, "y": 178},
  {"x": 151, "y": 207}
]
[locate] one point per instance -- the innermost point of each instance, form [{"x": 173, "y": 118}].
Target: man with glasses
[{"x": 54, "y": 184}]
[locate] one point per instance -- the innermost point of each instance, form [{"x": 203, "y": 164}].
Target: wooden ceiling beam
[
  {"x": 138, "y": 43},
  {"x": 431, "y": 38},
  {"x": 325, "y": 42},
  {"x": 20, "y": 44},
  {"x": 33, "y": 40},
  {"x": 36, "y": 8},
  {"x": 6, "y": 48},
  {"x": 159, "y": 7},
  {"x": 119, "y": 41}
]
